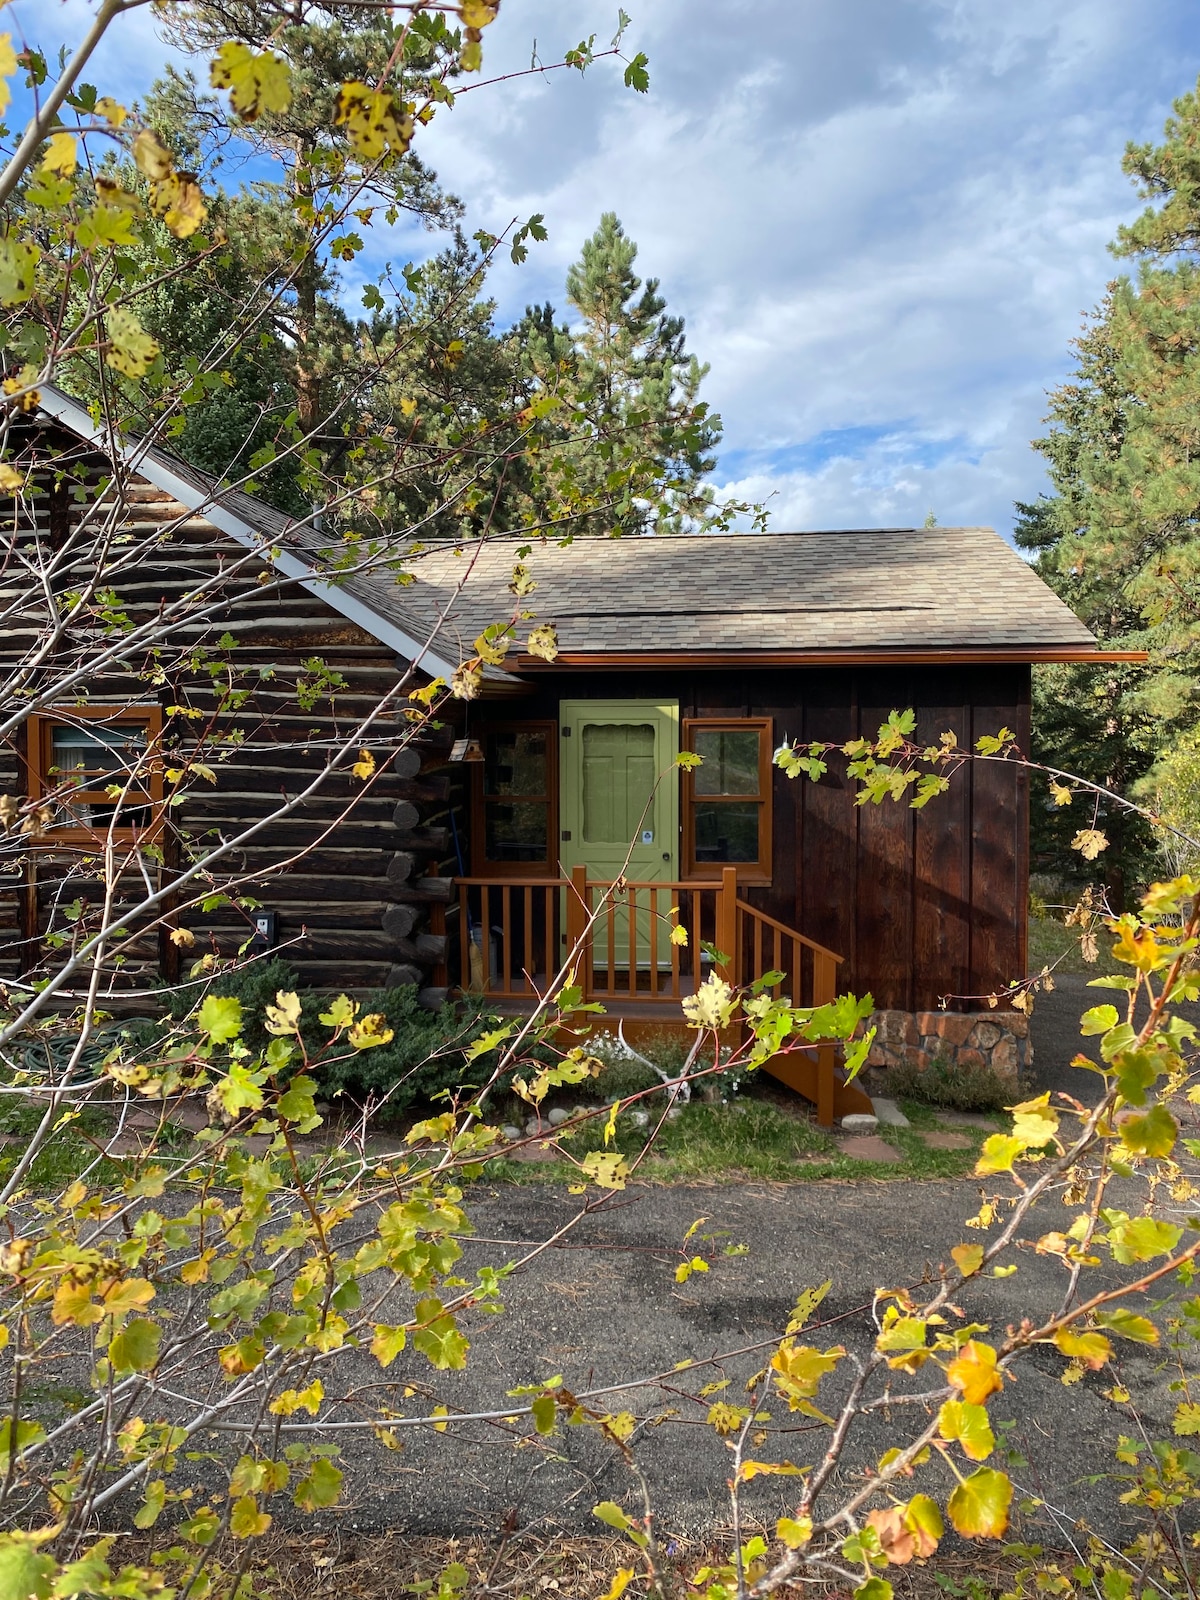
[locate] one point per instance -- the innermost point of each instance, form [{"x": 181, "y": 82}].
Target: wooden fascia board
[
  {"x": 141, "y": 460},
  {"x": 1073, "y": 654}
]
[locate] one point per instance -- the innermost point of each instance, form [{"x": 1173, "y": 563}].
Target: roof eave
[{"x": 949, "y": 655}]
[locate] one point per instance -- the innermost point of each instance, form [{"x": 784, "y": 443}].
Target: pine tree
[
  {"x": 1119, "y": 538},
  {"x": 636, "y": 442}
]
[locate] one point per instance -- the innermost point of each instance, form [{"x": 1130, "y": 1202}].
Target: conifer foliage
[{"x": 1119, "y": 538}]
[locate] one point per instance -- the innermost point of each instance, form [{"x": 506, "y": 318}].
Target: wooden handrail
[{"x": 789, "y": 933}]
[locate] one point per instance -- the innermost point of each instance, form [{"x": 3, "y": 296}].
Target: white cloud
[{"x": 883, "y": 216}]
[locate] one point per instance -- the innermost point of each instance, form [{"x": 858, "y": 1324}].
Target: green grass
[
  {"x": 752, "y": 1139},
  {"x": 1057, "y": 947},
  {"x": 68, "y": 1150}
]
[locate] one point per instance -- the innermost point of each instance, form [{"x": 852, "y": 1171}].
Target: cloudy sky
[{"x": 882, "y": 219}]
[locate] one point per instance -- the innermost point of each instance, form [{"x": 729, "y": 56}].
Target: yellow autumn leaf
[
  {"x": 182, "y": 938},
  {"x": 1093, "y": 1349},
  {"x": 795, "y": 1532},
  {"x": 8, "y": 65},
  {"x": 257, "y": 81},
  {"x": 543, "y": 641},
  {"x": 369, "y": 1031},
  {"x": 974, "y": 1372},
  {"x": 284, "y": 1016},
  {"x": 131, "y": 350},
  {"x": 679, "y": 934},
  {"x": 111, "y": 110},
  {"x": 753, "y": 1469},
  {"x": 11, "y": 481},
  {"x": 62, "y": 154},
  {"x": 619, "y": 1584},
  {"x": 1089, "y": 842},
  {"x": 1060, "y": 793},
  {"x": 180, "y": 203},
  {"x": 364, "y": 767},
  {"x": 151, "y": 156},
  {"x": 968, "y": 1258},
  {"x": 371, "y": 122}
]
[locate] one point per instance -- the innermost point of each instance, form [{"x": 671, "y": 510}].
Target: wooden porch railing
[{"x": 515, "y": 934}]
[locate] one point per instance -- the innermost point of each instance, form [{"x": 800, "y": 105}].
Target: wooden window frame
[
  {"x": 755, "y": 872},
  {"x": 43, "y": 783},
  {"x": 481, "y": 866}
]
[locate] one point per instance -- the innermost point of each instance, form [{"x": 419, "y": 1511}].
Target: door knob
[{"x": 666, "y": 855}]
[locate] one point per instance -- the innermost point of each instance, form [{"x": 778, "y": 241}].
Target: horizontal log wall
[{"x": 354, "y": 873}]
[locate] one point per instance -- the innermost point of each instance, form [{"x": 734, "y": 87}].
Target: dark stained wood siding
[{"x": 924, "y": 905}]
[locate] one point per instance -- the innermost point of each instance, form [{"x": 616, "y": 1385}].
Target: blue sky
[{"x": 882, "y": 219}]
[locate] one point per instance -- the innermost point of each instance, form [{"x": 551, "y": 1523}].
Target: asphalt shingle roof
[{"x": 878, "y": 589}]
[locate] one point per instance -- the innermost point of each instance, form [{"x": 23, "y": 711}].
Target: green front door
[{"x": 620, "y": 804}]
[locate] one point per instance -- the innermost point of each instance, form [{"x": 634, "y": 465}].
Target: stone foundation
[{"x": 998, "y": 1039}]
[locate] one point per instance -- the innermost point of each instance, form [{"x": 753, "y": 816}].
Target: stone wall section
[{"x": 998, "y": 1039}]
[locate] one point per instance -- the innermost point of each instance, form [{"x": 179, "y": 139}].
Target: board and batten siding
[
  {"x": 921, "y": 904},
  {"x": 354, "y": 896}
]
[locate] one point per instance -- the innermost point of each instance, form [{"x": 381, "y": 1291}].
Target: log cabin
[{"x": 479, "y": 858}]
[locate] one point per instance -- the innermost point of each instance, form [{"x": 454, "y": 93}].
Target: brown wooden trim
[
  {"x": 749, "y": 872},
  {"x": 41, "y": 783},
  {"x": 1048, "y": 654},
  {"x": 480, "y": 865}
]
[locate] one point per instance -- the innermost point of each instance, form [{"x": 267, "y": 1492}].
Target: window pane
[
  {"x": 618, "y": 780},
  {"x": 516, "y": 830},
  {"x": 96, "y": 751},
  {"x": 515, "y": 763},
  {"x": 730, "y": 761},
  {"x": 726, "y": 831}
]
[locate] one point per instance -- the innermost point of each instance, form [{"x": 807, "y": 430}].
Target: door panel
[{"x": 613, "y": 819}]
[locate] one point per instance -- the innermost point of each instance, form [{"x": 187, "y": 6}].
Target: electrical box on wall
[{"x": 264, "y": 931}]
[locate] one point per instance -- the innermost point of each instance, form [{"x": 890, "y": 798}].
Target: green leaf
[
  {"x": 24, "y": 1575},
  {"x": 319, "y": 1487},
  {"x": 544, "y": 1410},
  {"x": 220, "y": 1017},
  {"x": 1142, "y": 1238},
  {"x": 237, "y": 1091},
  {"x": 968, "y": 1424},
  {"x": 1128, "y": 1326},
  {"x": 135, "y": 1348},
  {"x": 874, "y": 1589},
  {"x": 17, "y": 265},
  {"x": 1150, "y": 1135},
  {"x": 978, "y": 1507},
  {"x": 1099, "y": 1019},
  {"x": 636, "y": 75},
  {"x": 297, "y": 1104},
  {"x": 151, "y": 1508}
]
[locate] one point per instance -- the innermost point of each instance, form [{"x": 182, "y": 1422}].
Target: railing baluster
[
  {"x": 464, "y": 937},
  {"x": 610, "y": 911},
  {"x": 652, "y": 898},
  {"x": 485, "y": 936},
  {"x": 550, "y": 931},
  {"x": 506, "y": 937},
  {"x": 527, "y": 969}
]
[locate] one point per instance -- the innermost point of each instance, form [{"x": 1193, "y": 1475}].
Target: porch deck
[{"x": 510, "y": 936}]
